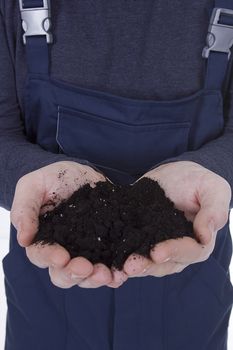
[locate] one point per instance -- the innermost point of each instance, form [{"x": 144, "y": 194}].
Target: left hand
[{"x": 204, "y": 197}]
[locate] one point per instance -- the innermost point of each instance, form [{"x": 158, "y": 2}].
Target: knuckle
[
  {"x": 109, "y": 280},
  {"x": 56, "y": 260},
  {"x": 100, "y": 280},
  {"x": 39, "y": 264},
  {"x": 60, "y": 283},
  {"x": 51, "y": 272},
  {"x": 70, "y": 276},
  {"x": 96, "y": 282},
  {"x": 57, "y": 283},
  {"x": 34, "y": 259},
  {"x": 29, "y": 253},
  {"x": 86, "y": 284}
]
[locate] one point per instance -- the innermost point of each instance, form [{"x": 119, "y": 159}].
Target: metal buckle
[
  {"x": 220, "y": 36},
  {"x": 36, "y": 21}
]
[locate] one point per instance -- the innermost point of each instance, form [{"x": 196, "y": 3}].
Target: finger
[
  {"x": 135, "y": 264},
  {"x": 25, "y": 210},
  {"x": 161, "y": 270},
  {"x": 183, "y": 250},
  {"x": 203, "y": 227},
  {"x": 214, "y": 198},
  {"x": 100, "y": 276},
  {"x": 60, "y": 279},
  {"x": 44, "y": 255},
  {"x": 118, "y": 278},
  {"x": 73, "y": 273},
  {"x": 207, "y": 221},
  {"x": 79, "y": 267}
]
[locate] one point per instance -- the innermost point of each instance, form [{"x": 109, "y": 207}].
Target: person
[{"x": 123, "y": 89}]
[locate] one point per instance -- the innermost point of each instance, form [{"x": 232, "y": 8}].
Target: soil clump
[{"x": 109, "y": 222}]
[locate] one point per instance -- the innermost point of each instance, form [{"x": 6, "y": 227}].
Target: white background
[{"x": 4, "y": 243}]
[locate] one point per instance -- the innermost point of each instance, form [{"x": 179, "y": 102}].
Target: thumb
[
  {"x": 204, "y": 226},
  {"x": 213, "y": 213},
  {"x": 26, "y": 208}
]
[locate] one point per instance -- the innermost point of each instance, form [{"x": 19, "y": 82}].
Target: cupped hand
[
  {"x": 204, "y": 197},
  {"x": 38, "y": 192}
]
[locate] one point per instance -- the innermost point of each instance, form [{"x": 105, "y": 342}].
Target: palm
[
  {"x": 183, "y": 187},
  {"x": 59, "y": 181}
]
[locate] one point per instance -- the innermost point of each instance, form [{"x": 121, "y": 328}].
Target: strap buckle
[
  {"x": 36, "y": 21},
  {"x": 220, "y": 36}
]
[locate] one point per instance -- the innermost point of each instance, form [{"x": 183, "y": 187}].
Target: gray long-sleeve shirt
[{"x": 134, "y": 48}]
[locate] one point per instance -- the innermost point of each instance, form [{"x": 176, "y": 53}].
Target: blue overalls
[{"x": 124, "y": 138}]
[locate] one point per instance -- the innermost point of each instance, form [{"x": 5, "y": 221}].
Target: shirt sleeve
[
  {"x": 216, "y": 155},
  {"x": 17, "y": 155}
]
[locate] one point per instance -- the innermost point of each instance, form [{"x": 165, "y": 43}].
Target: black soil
[{"x": 109, "y": 222}]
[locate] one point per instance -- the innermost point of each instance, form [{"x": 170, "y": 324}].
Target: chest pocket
[{"x": 131, "y": 148}]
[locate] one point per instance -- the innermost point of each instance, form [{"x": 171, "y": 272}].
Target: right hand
[{"x": 33, "y": 194}]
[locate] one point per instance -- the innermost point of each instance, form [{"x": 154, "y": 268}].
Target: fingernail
[
  {"x": 166, "y": 259},
  {"x": 74, "y": 277}
]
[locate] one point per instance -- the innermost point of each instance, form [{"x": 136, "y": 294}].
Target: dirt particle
[{"x": 61, "y": 173}]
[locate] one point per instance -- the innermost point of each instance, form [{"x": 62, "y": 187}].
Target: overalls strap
[
  {"x": 219, "y": 42},
  {"x": 36, "y": 22}
]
